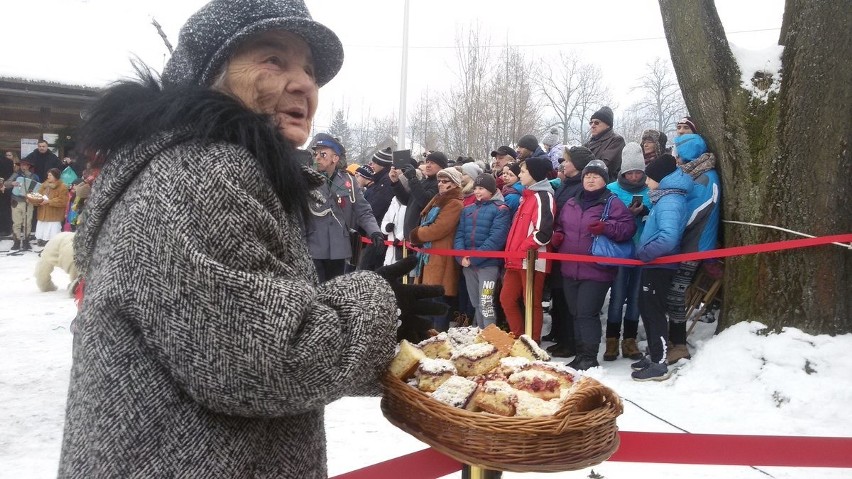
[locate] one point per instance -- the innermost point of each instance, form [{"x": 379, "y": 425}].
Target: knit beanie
[
  {"x": 365, "y": 171},
  {"x": 688, "y": 121},
  {"x": 690, "y": 146},
  {"x": 538, "y": 167},
  {"x": 597, "y": 167},
  {"x": 213, "y": 33},
  {"x": 451, "y": 174},
  {"x": 439, "y": 158},
  {"x": 632, "y": 158},
  {"x": 529, "y": 142},
  {"x": 471, "y": 169},
  {"x": 383, "y": 157},
  {"x": 514, "y": 167},
  {"x": 661, "y": 167},
  {"x": 604, "y": 115},
  {"x": 486, "y": 181},
  {"x": 580, "y": 156},
  {"x": 551, "y": 138}
]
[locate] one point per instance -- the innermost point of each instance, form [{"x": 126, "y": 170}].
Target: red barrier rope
[
  {"x": 668, "y": 448},
  {"x": 677, "y": 258}
]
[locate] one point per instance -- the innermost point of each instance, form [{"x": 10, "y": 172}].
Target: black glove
[
  {"x": 410, "y": 173},
  {"x": 390, "y": 227},
  {"x": 412, "y": 301},
  {"x": 378, "y": 240}
]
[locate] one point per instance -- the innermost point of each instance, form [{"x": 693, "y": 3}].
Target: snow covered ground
[{"x": 742, "y": 381}]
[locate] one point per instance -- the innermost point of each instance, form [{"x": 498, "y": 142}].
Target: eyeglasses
[
  {"x": 323, "y": 154},
  {"x": 594, "y": 123},
  {"x": 444, "y": 182}
]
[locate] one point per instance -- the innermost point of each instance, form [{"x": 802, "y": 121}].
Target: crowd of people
[
  {"x": 546, "y": 196},
  {"x": 57, "y": 192}
]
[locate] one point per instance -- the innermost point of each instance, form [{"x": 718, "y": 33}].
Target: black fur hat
[{"x": 212, "y": 33}]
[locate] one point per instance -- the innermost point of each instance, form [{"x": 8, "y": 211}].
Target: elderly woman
[
  {"x": 586, "y": 284},
  {"x": 437, "y": 230},
  {"x": 205, "y": 346}
]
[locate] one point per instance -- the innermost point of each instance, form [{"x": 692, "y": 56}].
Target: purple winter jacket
[{"x": 572, "y": 230}]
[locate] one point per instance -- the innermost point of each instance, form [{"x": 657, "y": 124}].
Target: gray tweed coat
[{"x": 205, "y": 347}]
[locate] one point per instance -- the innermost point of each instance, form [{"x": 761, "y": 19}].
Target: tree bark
[{"x": 783, "y": 160}]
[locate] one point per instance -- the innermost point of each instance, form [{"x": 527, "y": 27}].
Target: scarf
[
  {"x": 631, "y": 187},
  {"x": 655, "y": 195},
  {"x": 700, "y": 165},
  {"x": 589, "y": 198},
  {"x": 423, "y": 258}
]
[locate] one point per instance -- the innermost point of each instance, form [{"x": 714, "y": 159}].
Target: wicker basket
[{"x": 581, "y": 434}]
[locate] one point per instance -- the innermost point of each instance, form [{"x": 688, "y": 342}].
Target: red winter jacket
[{"x": 532, "y": 226}]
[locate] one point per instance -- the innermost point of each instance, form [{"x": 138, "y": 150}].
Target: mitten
[
  {"x": 413, "y": 300},
  {"x": 557, "y": 239},
  {"x": 378, "y": 239},
  {"x": 597, "y": 228}
]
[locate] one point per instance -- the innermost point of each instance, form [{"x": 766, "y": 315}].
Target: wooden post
[{"x": 404, "y": 255}]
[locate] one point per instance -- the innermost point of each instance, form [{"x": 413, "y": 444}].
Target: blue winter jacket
[
  {"x": 484, "y": 226},
  {"x": 512, "y": 195},
  {"x": 702, "y": 226},
  {"x": 666, "y": 223},
  {"x": 626, "y": 197}
]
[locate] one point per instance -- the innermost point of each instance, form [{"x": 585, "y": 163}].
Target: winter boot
[
  {"x": 654, "y": 372},
  {"x": 25, "y": 245},
  {"x": 562, "y": 351},
  {"x": 676, "y": 353},
  {"x": 16, "y": 245},
  {"x": 611, "y": 353},
  {"x": 629, "y": 349},
  {"x": 587, "y": 357},
  {"x": 641, "y": 364}
]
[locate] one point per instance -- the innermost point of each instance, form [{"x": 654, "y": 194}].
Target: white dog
[{"x": 59, "y": 251}]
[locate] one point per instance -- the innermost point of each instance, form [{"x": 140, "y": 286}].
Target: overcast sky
[{"x": 89, "y": 41}]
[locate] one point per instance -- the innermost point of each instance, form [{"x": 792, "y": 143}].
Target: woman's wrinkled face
[
  {"x": 593, "y": 182},
  {"x": 273, "y": 73}
]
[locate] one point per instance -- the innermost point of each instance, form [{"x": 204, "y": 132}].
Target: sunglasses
[{"x": 594, "y": 123}]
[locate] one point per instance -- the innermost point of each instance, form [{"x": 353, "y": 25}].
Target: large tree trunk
[{"x": 783, "y": 161}]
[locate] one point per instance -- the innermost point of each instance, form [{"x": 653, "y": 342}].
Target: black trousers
[
  {"x": 652, "y": 307},
  {"x": 585, "y": 299},
  {"x": 329, "y": 268}
]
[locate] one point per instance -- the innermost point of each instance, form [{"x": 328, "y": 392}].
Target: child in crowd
[
  {"x": 661, "y": 236},
  {"x": 513, "y": 187},
  {"x": 532, "y": 228},
  {"x": 483, "y": 226}
]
